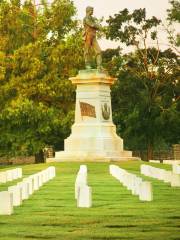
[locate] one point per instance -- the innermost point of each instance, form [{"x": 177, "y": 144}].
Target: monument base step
[{"x": 88, "y": 157}]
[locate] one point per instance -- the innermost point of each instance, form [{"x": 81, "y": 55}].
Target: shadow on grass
[{"x": 120, "y": 226}]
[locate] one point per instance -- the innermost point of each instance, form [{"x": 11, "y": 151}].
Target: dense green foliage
[
  {"x": 51, "y": 212},
  {"x": 174, "y": 18},
  {"x": 146, "y": 96},
  {"x": 40, "y": 48},
  {"x": 174, "y": 12}
]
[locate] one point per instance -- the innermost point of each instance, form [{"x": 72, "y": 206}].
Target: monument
[{"x": 93, "y": 136}]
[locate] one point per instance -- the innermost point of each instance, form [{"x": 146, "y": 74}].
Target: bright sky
[{"x": 105, "y": 8}]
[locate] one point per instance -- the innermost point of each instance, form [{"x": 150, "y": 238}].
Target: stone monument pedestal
[{"x": 93, "y": 136}]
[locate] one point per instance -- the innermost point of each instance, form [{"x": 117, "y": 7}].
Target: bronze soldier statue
[{"x": 90, "y": 28}]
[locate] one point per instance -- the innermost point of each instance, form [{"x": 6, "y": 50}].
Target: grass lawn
[{"x": 51, "y": 212}]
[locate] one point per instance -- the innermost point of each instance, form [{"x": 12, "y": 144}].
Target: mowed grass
[{"x": 51, "y": 212}]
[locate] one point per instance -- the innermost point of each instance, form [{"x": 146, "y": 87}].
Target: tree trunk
[
  {"x": 149, "y": 151},
  {"x": 39, "y": 157}
]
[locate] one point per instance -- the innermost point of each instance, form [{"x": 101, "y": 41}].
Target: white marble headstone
[
  {"x": 83, "y": 169},
  {"x": 175, "y": 180},
  {"x": 25, "y": 189},
  {"x": 81, "y": 180},
  {"x": 145, "y": 191},
  {"x": 17, "y": 194},
  {"x": 19, "y": 172},
  {"x": 84, "y": 197},
  {"x": 137, "y": 182},
  {"x": 40, "y": 178},
  {"x": 35, "y": 181},
  {"x": 167, "y": 176},
  {"x": 44, "y": 176},
  {"x": 3, "y": 177},
  {"x": 29, "y": 181},
  {"x": 9, "y": 175},
  {"x": 52, "y": 172},
  {"x": 6, "y": 203}
]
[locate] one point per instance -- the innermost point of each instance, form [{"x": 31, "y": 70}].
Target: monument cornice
[
  {"x": 76, "y": 80},
  {"x": 92, "y": 76}
]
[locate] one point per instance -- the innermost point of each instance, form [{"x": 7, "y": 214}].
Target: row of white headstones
[
  {"x": 170, "y": 162},
  {"x": 10, "y": 175},
  {"x": 175, "y": 164},
  {"x": 83, "y": 193},
  {"x": 172, "y": 177},
  {"x": 132, "y": 182},
  {"x": 17, "y": 193},
  {"x": 144, "y": 188}
]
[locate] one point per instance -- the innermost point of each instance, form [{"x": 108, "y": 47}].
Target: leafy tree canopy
[
  {"x": 41, "y": 47},
  {"x": 146, "y": 96}
]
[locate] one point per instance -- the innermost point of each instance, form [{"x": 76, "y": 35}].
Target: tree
[
  {"x": 37, "y": 97},
  {"x": 147, "y": 88},
  {"x": 173, "y": 17},
  {"x": 112, "y": 60},
  {"x": 174, "y": 12}
]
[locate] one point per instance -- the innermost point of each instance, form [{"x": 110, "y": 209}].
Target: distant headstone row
[
  {"x": 161, "y": 174},
  {"x": 171, "y": 162},
  {"x": 133, "y": 183},
  {"x": 10, "y": 175},
  {"x": 83, "y": 193},
  {"x": 17, "y": 193}
]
